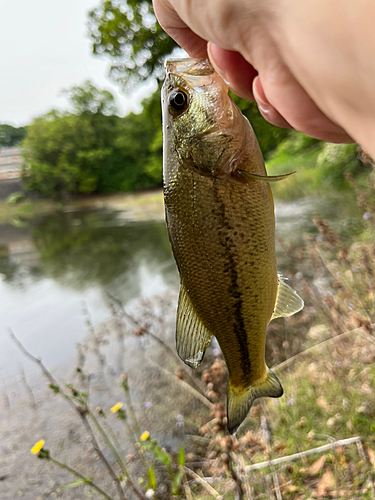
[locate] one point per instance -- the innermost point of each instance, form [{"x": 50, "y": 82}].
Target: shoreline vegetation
[
  {"x": 321, "y": 170},
  {"x": 141, "y": 205}
]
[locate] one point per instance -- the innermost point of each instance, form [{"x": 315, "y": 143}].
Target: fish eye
[{"x": 178, "y": 100}]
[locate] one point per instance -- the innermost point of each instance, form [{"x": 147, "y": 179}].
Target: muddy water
[{"x": 55, "y": 267}]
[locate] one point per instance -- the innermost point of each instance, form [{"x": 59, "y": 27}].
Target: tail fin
[{"x": 240, "y": 400}]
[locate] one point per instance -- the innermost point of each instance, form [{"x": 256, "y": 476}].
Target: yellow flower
[
  {"x": 144, "y": 436},
  {"x": 117, "y": 407},
  {"x": 37, "y": 447}
]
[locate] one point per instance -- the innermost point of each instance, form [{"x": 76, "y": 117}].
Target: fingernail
[
  {"x": 211, "y": 47},
  {"x": 260, "y": 96},
  {"x": 265, "y": 107}
]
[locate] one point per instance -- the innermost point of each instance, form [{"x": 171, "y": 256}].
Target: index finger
[{"x": 171, "y": 22}]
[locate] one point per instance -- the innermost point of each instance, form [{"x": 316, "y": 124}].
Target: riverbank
[
  {"x": 319, "y": 434},
  {"x": 145, "y": 205},
  {"x": 321, "y": 170}
]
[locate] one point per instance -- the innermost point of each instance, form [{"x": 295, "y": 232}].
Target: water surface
[{"x": 53, "y": 266}]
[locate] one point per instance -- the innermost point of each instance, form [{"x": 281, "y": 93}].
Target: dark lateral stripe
[{"x": 238, "y": 320}]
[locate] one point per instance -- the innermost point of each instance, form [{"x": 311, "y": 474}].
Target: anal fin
[
  {"x": 288, "y": 302},
  {"x": 240, "y": 400},
  {"x": 192, "y": 337}
]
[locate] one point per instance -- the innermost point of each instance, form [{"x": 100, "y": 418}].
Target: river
[{"x": 53, "y": 267}]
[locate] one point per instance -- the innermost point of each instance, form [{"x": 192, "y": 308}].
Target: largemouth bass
[{"x": 220, "y": 218}]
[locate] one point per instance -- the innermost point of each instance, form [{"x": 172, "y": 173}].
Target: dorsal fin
[
  {"x": 288, "y": 302},
  {"x": 192, "y": 337}
]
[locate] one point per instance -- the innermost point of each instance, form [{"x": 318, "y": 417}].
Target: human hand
[{"x": 293, "y": 59}]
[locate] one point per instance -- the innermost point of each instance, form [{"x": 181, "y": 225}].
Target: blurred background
[{"x": 87, "y": 279}]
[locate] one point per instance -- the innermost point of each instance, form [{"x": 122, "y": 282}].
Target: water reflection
[
  {"x": 81, "y": 249},
  {"x": 49, "y": 265}
]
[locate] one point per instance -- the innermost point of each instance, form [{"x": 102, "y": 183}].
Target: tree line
[{"x": 92, "y": 149}]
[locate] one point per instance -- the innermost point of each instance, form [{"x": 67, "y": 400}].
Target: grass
[
  {"x": 329, "y": 400},
  {"x": 305, "y": 182},
  {"x": 25, "y": 210},
  {"x": 321, "y": 168}
]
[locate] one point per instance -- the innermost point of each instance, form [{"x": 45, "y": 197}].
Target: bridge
[
  {"x": 10, "y": 171},
  {"x": 10, "y": 163}
]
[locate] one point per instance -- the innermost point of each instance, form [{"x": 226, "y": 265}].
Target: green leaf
[
  {"x": 151, "y": 477},
  {"x": 74, "y": 484},
  {"x": 177, "y": 482},
  {"x": 160, "y": 454},
  {"x": 181, "y": 456},
  {"x": 119, "y": 28}
]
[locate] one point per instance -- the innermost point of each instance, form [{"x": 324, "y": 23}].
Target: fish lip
[{"x": 188, "y": 66}]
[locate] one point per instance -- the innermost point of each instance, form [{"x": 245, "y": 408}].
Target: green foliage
[
  {"x": 268, "y": 135},
  {"x": 66, "y": 154},
  {"x": 90, "y": 100},
  {"x": 151, "y": 477},
  {"x": 321, "y": 167},
  {"x": 11, "y": 136},
  {"x": 297, "y": 143},
  {"x": 93, "y": 150},
  {"x": 127, "y": 31},
  {"x": 181, "y": 456},
  {"x": 166, "y": 459},
  {"x": 337, "y": 159},
  {"x": 74, "y": 484},
  {"x": 15, "y": 198},
  {"x": 160, "y": 454}
]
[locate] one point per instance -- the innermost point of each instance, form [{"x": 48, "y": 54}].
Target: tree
[
  {"x": 127, "y": 32},
  {"x": 11, "y": 136},
  {"x": 88, "y": 151},
  {"x": 91, "y": 101}
]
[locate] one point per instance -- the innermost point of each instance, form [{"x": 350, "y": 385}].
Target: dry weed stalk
[{"x": 79, "y": 403}]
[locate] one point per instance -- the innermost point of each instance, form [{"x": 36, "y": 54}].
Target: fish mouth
[{"x": 189, "y": 66}]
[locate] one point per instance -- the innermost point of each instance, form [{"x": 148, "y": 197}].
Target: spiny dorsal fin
[
  {"x": 288, "y": 302},
  {"x": 250, "y": 176},
  {"x": 192, "y": 337},
  {"x": 240, "y": 400}
]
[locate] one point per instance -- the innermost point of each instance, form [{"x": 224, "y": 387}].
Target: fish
[{"x": 221, "y": 225}]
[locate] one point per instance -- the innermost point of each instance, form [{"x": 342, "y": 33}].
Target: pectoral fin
[
  {"x": 240, "y": 400},
  {"x": 288, "y": 302},
  {"x": 250, "y": 176},
  {"x": 192, "y": 337}
]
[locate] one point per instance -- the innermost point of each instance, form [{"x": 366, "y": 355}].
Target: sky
[{"x": 45, "y": 48}]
